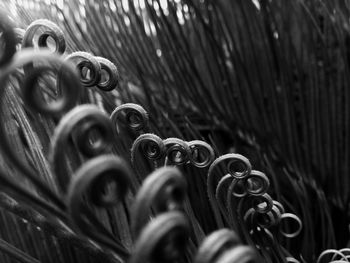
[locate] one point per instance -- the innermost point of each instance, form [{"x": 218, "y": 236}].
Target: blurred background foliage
[{"x": 268, "y": 79}]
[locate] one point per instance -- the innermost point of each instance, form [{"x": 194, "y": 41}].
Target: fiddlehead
[
  {"x": 262, "y": 213},
  {"x": 109, "y": 75},
  {"x": 88, "y": 67},
  {"x": 215, "y": 244},
  {"x": 296, "y": 219},
  {"x": 236, "y": 165},
  {"x": 68, "y": 86},
  {"x": 177, "y": 151},
  {"x": 256, "y": 183},
  {"x": 163, "y": 190},
  {"x": 266, "y": 213},
  {"x": 101, "y": 181},
  {"x": 252, "y": 188},
  {"x": 150, "y": 145},
  {"x": 81, "y": 124},
  {"x": 69, "y": 95},
  {"x": 163, "y": 239},
  {"x": 334, "y": 256},
  {"x": 146, "y": 145},
  {"x": 202, "y": 154},
  {"x": 43, "y": 30},
  {"x": 253, "y": 208},
  {"x": 130, "y": 116},
  {"x": 224, "y": 246}
]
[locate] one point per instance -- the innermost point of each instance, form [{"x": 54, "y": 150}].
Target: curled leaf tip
[{"x": 43, "y": 30}]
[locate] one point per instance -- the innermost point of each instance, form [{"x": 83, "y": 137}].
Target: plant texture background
[{"x": 268, "y": 79}]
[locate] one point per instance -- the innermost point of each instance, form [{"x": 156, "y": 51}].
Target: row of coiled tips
[{"x": 160, "y": 226}]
